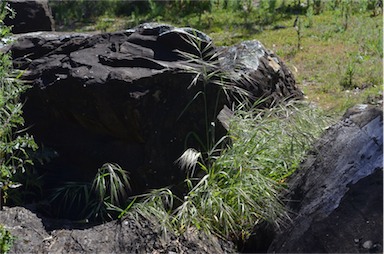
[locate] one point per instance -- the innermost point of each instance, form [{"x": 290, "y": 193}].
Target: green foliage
[
  {"x": 330, "y": 54},
  {"x": 298, "y": 27},
  {"x": 309, "y": 16},
  {"x": 32, "y": 180},
  {"x": 6, "y": 240},
  {"x": 267, "y": 13},
  {"x": 14, "y": 143},
  {"x": 317, "y": 7},
  {"x": 4, "y": 12},
  {"x": 100, "y": 200},
  {"x": 103, "y": 23},
  {"x": 346, "y": 11},
  {"x": 31, "y": 189},
  {"x": 203, "y": 14},
  {"x": 68, "y": 13},
  {"x": 347, "y": 79}
]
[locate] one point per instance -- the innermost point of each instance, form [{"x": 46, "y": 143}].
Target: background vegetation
[{"x": 334, "y": 48}]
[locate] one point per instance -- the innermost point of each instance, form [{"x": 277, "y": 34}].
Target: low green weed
[
  {"x": 6, "y": 240},
  {"x": 347, "y": 81}
]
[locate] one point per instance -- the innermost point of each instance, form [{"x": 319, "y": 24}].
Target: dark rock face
[
  {"x": 337, "y": 195},
  {"x": 126, "y": 97},
  {"x": 126, "y": 236},
  {"x": 31, "y": 16}
]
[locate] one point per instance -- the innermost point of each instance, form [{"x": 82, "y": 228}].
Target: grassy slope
[
  {"x": 322, "y": 64},
  {"x": 329, "y": 56}
]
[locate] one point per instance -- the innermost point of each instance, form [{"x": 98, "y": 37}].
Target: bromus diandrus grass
[
  {"x": 111, "y": 187},
  {"x": 156, "y": 206},
  {"x": 71, "y": 200},
  {"x": 274, "y": 140},
  {"x": 240, "y": 187},
  {"x": 203, "y": 62},
  {"x": 102, "y": 199},
  {"x": 231, "y": 188}
]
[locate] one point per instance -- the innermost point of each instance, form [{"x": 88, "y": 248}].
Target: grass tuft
[
  {"x": 101, "y": 200},
  {"x": 273, "y": 141},
  {"x": 240, "y": 188}
]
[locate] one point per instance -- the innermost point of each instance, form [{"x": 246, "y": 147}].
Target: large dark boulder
[
  {"x": 31, "y": 16},
  {"x": 336, "y": 197},
  {"x": 126, "y": 97}
]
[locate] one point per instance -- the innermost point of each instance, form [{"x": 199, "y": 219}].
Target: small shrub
[
  {"x": 156, "y": 206},
  {"x": 347, "y": 79},
  {"x": 104, "y": 23},
  {"x": 299, "y": 31},
  {"x": 6, "y": 240},
  {"x": 273, "y": 141},
  {"x": 14, "y": 143},
  {"x": 267, "y": 12},
  {"x": 346, "y": 12},
  {"x": 229, "y": 201}
]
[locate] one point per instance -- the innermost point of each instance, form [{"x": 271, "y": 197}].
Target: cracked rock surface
[
  {"x": 128, "y": 235},
  {"x": 336, "y": 197}
]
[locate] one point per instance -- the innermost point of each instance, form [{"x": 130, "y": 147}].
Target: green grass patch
[{"x": 336, "y": 69}]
